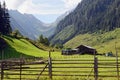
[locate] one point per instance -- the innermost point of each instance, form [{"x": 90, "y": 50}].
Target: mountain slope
[
  {"x": 21, "y": 47},
  {"x": 18, "y": 47},
  {"x": 28, "y": 25},
  {"x": 103, "y": 42},
  {"x": 90, "y": 16},
  {"x": 54, "y": 24}
]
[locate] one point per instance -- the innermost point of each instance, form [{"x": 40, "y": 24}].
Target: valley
[{"x": 32, "y": 50}]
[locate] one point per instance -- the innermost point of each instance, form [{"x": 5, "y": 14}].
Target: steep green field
[
  {"x": 18, "y": 47},
  {"x": 103, "y": 42},
  {"x": 63, "y": 35}
]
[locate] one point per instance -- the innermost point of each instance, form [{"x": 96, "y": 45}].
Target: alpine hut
[{"x": 83, "y": 49}]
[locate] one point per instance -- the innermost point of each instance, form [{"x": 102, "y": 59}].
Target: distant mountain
[
  {"x": 28, "y": 25},
  {"x": 89, "y": 16},
  {"x": 54, "y": 24}
]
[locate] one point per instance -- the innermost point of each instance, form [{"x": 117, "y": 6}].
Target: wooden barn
[
  {"x": 69, "y": 52},
  {"x": 83, "y": 49}
]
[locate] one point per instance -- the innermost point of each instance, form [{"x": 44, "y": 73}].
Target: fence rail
[{"x": 21, "y": 69}]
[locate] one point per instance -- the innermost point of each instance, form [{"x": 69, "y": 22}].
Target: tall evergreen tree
[{"x": 4, "y": 20}]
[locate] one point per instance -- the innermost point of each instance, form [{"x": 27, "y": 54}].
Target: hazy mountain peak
[{"x": 27, "y": 24}]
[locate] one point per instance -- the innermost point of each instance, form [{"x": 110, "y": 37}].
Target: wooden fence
[{"x": 88, "y": 68}]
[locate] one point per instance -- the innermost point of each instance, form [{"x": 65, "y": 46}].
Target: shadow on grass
[
  {"x": 9, "y": 38},
  {"x": 10, "y": 52}
]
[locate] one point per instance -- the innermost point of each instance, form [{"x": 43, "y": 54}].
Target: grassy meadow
[{"x": 103, "y": 42}]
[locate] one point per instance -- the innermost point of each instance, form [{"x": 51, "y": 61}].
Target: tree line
[{"x": 43, "y": 40}]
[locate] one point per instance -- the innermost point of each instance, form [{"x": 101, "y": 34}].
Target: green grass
[
  {"x": 90, "y": 59},
  {"x": 64, "y": 34},
  {"x": 103, "y": 42},
  {"x": 18, "y": 47}
]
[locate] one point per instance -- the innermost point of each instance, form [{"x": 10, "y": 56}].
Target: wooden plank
[
  {"x": 72, "y": 60},
  {"x": 72, "y": 67},
  {"x": 24, "y": 74},
  {"x": 29, "y": 70},
  {"x": 70, "y": 75},
  {"x": 72, "y": 63}
]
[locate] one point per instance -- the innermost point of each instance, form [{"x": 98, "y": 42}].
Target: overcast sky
[{"x": 45, "y": 10}]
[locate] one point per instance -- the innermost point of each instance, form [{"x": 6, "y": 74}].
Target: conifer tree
[{"x": 4, "y": 20}]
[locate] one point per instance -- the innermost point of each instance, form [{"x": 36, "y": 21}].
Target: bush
[
  {"x": 59, "y": 46},
  {"x": 16, "y": 34}
]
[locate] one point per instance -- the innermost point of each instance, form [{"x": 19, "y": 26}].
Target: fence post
[
  {"x": 50, "y": 66},
  {"x": 20, "y": 68},
  {"x": 117, "y": 63},
  {"x": 2, "y": 70},
  {"x": 96, "y": 68}
]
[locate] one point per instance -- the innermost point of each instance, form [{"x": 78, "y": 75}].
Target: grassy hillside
[
  {"x": 88, "y": 17},
  {"x": 16, "y": 47},
  {"x": 103, "y": 42},
  {"x": 64, "y": 35}
]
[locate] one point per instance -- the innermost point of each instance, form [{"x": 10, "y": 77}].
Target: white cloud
[
  {"x": 27, "y": 6},
  {"x": 69, "y": 4},
  {"x": 14, "y": 4}
]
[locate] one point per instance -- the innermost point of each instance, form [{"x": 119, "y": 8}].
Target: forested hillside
[{"x": 89, "y": 16}]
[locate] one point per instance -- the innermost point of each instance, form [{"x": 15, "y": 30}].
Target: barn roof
[{"x": 85, "y": 46}]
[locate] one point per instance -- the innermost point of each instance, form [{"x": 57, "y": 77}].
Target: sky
[{"x": 45, "y": 10}]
